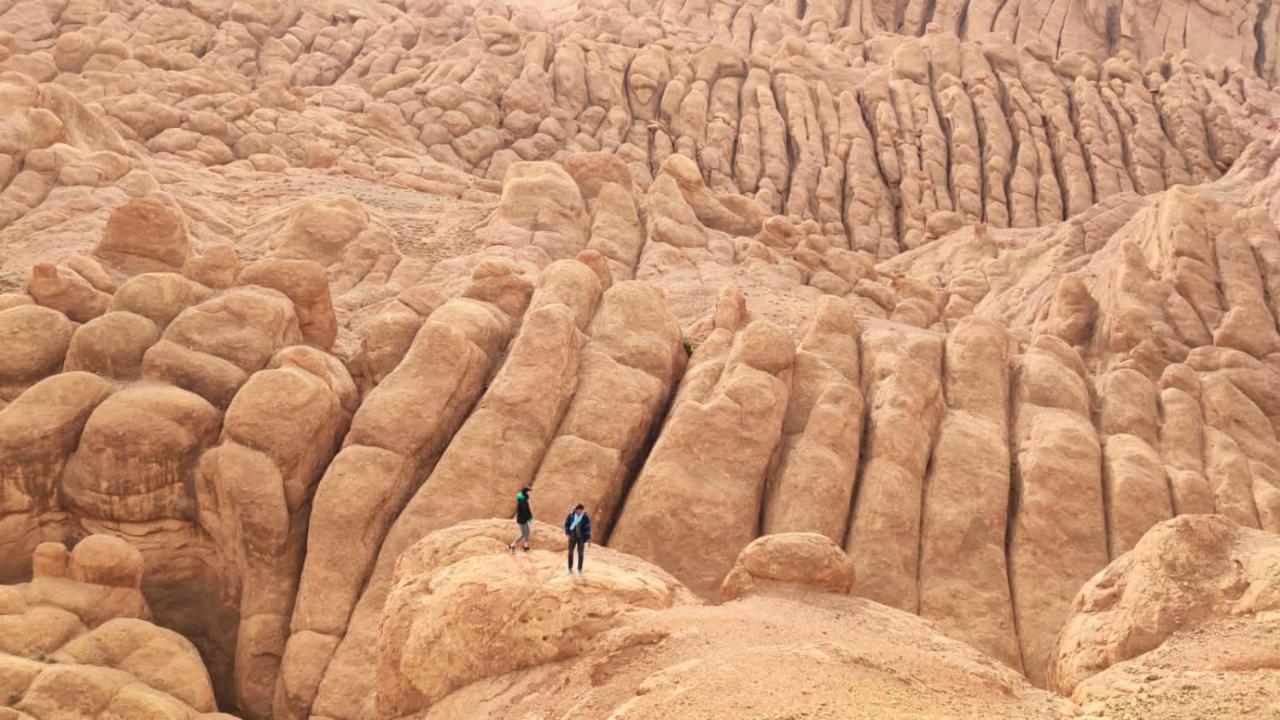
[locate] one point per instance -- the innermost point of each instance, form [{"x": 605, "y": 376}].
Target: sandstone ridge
[{"x": 968, "y": 310}]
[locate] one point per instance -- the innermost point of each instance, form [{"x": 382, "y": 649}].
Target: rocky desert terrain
[{"x": 914, "y": 359}]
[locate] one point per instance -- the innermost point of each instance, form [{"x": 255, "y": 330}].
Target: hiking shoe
[
  {"x": 579, "y": 572},
  {"x": 526, "y": 549},
  {"x": 511, "y": 549}
]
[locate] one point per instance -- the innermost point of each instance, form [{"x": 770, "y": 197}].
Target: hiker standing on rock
[
  {"x": 524, "y": 518},
  {"x": 577, "y": 527}
]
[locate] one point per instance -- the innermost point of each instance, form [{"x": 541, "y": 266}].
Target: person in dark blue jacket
[
  {"x": 577, "y": 527},
  {"x": 524, "y": 519}
]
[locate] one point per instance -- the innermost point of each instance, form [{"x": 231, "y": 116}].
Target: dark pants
[{"x": 581, "y": 545}]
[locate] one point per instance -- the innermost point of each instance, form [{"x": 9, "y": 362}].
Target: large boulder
[
  {"x": 160, "y": 658},
  {"x": 593, "y": 170},
  {"x": 38, "y": 432},
  {"x": 1185, "y": 577},
  {"x": 13, "y": 299},
  {"x": 77, "y": 641},
  {"x": 628, "y": 368},
  {"x": 33, "y": 343},
  {"x": 386, "y": 340},
  {"x": 136, "y": 455},
  {"x": 320, "y": 229},
  {"x": 112, "y": 345},
  {"x": 67, "y": 292},
  {"x": 712, "y": 458},
  {"x": 216, "y": 267},
  {"x": 463, "y": 609},
  {"x": 811, "y": 485},
  {"x": 540, "y": 206},
  {"x": 146, "y": 234},
  {"x": 160, "y": 297},
  {"x": 97, "y": 581},
  {"x": 305, "y": 283},
  {"x": 212, "y": 348},
  {"x": 790, "y": 562}
]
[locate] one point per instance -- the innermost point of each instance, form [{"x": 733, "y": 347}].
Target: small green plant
[{"x": 688, "y": 347}]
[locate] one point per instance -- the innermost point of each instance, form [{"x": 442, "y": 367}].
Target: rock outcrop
[
  {"x": 963, "y": 567},
  {"x": 965, "y": 297},
  {"x": 775, "y": 563},
  {"x": 463, "y": 577},
  {"x": 627, "y": 625},
  {"x": 811, "y": 485},
  {"x": 78, "y": 641},
  {"x": 1058, "y": 537},
  {"x": 712, "y": 457},
  {"x": 1185, "y": 620},
  {"x": 904, "y": 398}
]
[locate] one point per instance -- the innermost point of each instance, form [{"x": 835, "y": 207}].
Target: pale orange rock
[
  {"x": 1193, "y": 574},
  {"x": 34, "y": 341},
  {"x": 369, "y": 482},
  {"x": 967, "y": 496},
  {"x": 266, "y": 277},
  {"x": 67, "y": 292},
  {"x": 12, "y": 300},
  {"x": 902, "y": 371},
  {"x": 787, "y": 562},
  {"x": 1182, "y": 442},
  {"x": 320, "y": 229},
  {"x": 146, "y": 235},
  {"x": 216, "y": 267},
  {"x": 522, "y": 406},
  {"x": 42, "y": 428},
  {"x": 159, "y": 297},
  {"x": 615, "y": 229},
  {"x": 438, "y": 588},
  {"x": 111, "y": 345},
  {"x": 1058, "y": 538},
  {"x": 1136, "y": 492},
  {"x": 252, "y": 492},
  {"x": 650, "y": 645},
  {"x": 629, "y": 367},
  {"x": 78, "y": 640},
  {"x": 136, "y": 453},
  {"x": 712, "y": 457},
  {"x": 210, "y": 348},
  {"x": 811, "y": 485},
  {"x": 305, "y": 283},
  {"x": 386, "y": 341}
]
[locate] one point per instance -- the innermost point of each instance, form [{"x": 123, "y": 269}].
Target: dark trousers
[{"x": 581, "y": 545}]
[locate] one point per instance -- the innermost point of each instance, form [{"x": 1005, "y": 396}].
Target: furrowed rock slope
[{"x": 971, "y": 296}]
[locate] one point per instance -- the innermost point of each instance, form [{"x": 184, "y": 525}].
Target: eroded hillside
[{"x": 976, "y": 293}]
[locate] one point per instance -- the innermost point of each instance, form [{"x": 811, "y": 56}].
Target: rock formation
[
  {"x": 943, "y": 305},
  {"x": 642, "y": 641},
  {"x": 773, "y": 562},
  {"x": 78, "y": 641},
  {"x": 1193, "y": 605}
]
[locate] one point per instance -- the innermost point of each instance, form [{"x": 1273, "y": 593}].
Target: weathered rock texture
[
  {"x": 627, "y": 624},
  {"x": 976, "y": 293},
  {"x": 1185, "y": 574},
  {"x": 78, "y": 641},
  {"x": 1194, "y": 604},
  {"x": 780, "y": 562}
]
